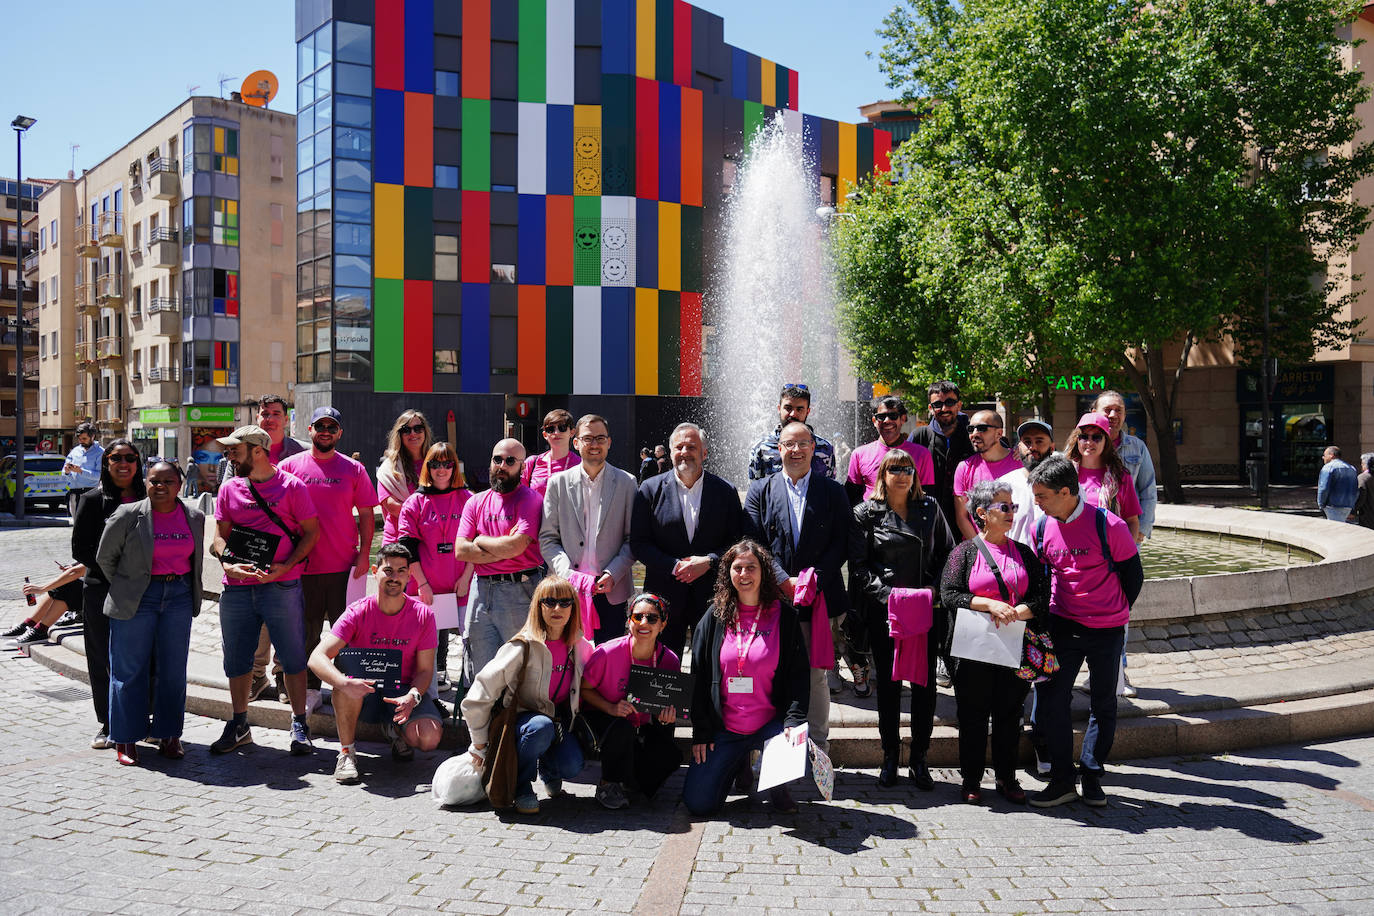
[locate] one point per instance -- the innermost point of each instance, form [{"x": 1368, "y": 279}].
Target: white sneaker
[
  {"x": 1127, "y": 688},
  {"x": 346, "y": 768},
  {"x": 313, "y": 701}
]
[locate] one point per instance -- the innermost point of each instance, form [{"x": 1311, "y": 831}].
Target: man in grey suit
[{"x": 586, "y": 526}]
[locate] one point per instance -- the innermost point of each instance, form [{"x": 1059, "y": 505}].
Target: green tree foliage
[{"x": 1084, "y": 192}]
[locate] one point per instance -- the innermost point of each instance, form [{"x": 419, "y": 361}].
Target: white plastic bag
[{"x": 458, "y": 782}]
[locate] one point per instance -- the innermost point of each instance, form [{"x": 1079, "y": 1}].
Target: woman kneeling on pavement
[
  {"x": 637, "y": 748},
  {"x": 550, "y": 689},
  {"x": 1002, "y": 578},
  {"x": 752, "y": 677},
  {"x": 152, "y": 552}
]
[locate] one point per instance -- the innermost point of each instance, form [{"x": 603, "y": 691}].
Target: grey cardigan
[{"x": 125, "y": 555}]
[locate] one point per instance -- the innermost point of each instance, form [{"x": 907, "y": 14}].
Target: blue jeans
[
  {"x": 707, "y": 783},
  {"x": 245, "y": 609},
  {"x": 161, "y": 629},
  {"x": 1338, "y": 513},
  {"x": 496, "y": 611},
  {"x": 1075, "y": 644},
  {"x": 538, "y": 747}
]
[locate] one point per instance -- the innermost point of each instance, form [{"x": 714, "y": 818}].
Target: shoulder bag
[
  {"x": 1038, "y": 660},
  {"x": 498, "y": 776}
]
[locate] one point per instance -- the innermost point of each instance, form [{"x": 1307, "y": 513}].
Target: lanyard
[
  {"x": 655, "y": 657},
  {"x": 742, "y": 647}
]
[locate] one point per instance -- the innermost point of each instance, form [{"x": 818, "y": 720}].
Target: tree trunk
[
  {"x": 1154, "y": 388},
  {"x": 1046, "y": 402}
]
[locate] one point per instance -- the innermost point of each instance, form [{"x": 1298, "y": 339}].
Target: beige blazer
[
  {"x": 502, "y": 672},
  {"x": 562, "y": 534}
]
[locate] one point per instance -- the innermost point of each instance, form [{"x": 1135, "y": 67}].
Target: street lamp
[
  {"x": 21, "y": 123},
  {"x": 1266, "y": 163}
]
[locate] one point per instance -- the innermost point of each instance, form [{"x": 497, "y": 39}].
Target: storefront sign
[
  {"x": 210, "y": 414},
  {"x": 149, "y": 416},
  {"x": 1300, "y": 383}
]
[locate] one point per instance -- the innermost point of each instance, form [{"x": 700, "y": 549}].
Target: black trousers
[
  {"x": 613, "y": 618},
  {"x": 981, "y": 691},
  {"x": 890, "y": 691},
  {"x": 643, "y": 757},
  {"x": 95, "y": 635}
]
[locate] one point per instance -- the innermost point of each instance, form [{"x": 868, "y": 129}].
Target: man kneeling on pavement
[{"x": 389, "y": 620}]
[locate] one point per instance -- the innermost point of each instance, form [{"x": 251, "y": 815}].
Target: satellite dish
[{"x": 259, "y": 88}]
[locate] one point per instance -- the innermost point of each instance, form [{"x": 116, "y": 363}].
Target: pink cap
[{"x": 1096, "y": 419}]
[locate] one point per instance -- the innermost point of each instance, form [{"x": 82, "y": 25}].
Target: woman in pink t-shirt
[
  {"x": 151, "y": 551},
  {"x": 558, "y": 432},
  {"x": 428, "y": 527},
  {"x": 635, "y": 746},
  {"x": 1102, "y": 476},
  {"x": 752, "y": 677},
  {"x": 398, "y": 476}
]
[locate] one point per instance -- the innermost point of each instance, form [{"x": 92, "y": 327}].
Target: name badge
[
  {"x": 739, "y": 684},
  {"x": 446, "y": 547}
]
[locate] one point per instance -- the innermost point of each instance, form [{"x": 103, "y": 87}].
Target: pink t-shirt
[
  {"x": 496, "y": 514},
  {"x": 1092, "y": 491},
  {"x": 274, "y": 451},
  {"x": 286, "y": 496},
  {"x": 746, "y": 713},
  {"x": 1082, "y": 588},
  {"x": 434, "y": 519},
  {"x": 983, "y": 583},
  {"x": 976, "y": 468},
  {"x": 337, "y": 485},
  {"x": 562, "y": 673},
  {"x": 364, "y": 626},
  {"x": 172, "y": 543},
  {"x": 608, "y": 670},
  {"x": 539, "y": 468},
  {"x": 389, "y": 524},
  {"x": 863, "y": 463}
]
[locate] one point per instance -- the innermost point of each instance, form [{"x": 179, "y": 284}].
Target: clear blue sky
[{"x": 118, "y": 67}]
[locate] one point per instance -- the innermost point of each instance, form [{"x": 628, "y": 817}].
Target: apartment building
[
  {"x": 14, "y": 227},
  {"x": 166, "y": 281}
]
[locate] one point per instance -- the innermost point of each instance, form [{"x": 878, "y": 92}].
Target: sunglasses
[
  {"x": 416, "y": 429},
  {"x": 797, "y": 385},
  {"x": 123, "y": 459},
  {"x": 441, "y": 465},
  {"x": 1003, "y": 507},
  {"x": 509, "y": 460},
  {"x": 904, "y": 470},
  {"x": 557, "y": 428},
  {"x": 556, "y": 602},
  {"x": 1091, "y": 437},
  {"x": 332, "y": 427},
  {"x": 645, "y": 617},
  {"x": 889, "y": 415},
  {"x": 981, "y": 427},
  {"x": 947, "y": 402}
]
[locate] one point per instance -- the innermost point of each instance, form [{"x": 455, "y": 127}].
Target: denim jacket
[
  {"x": 1337, "y": 485},
  {"x": 1136, "y": 457}
]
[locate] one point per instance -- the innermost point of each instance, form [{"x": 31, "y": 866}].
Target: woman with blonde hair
[
  {"x": 545, "y": 659},
  {"x": 398, "y": 476}
]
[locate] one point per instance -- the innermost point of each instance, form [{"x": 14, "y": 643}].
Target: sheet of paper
[
  {"x": 359, "y": 588},
  {"x": 446, "y": 612},
  {"x": 976, "y": 638},
  {"x": 784, "y": 759}
]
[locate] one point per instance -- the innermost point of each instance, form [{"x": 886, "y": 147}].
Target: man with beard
[
  {"x": 889, "y": 416},
  {"x": 338, "y": 485},
  {"x": 946, "y": 437},
  {"x": 682, "y": 523},
  {"x": 989, "y": 461},
  {"x": 1035, "y": 440},
  {"x": 794, "y": 406},
  {"x": 499, "y": 535},
  {"x": 261, "y": 498}
]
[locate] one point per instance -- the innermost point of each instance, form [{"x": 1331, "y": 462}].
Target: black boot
[
  {"x": 887, "y": 776},
  {"x": 919, "y": 774}
]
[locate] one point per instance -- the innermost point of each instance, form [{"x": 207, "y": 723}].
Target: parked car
[{"x": 44, "y": 481}]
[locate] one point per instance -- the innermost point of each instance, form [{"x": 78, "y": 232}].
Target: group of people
[{"x": 535, "y": 573}]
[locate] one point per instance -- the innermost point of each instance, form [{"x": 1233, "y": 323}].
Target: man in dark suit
[
  {"x": 803, "y": 518},
  {"x": 682, "y": 522}
]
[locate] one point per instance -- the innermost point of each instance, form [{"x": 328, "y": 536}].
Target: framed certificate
[
  {"x": 653, "y": 690},
  {"x": 248, "y": 545}
]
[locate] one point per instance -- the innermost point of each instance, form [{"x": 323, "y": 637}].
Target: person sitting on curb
[
  {"x": 391, "y": 619},
  {"x": 59, "y": 597}
]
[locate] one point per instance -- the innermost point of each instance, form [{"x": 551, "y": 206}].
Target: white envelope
[
  {"x": 977, "y": 639},
  {"x": 446, "y": 611},
  {"x": 783, "y": 760}
]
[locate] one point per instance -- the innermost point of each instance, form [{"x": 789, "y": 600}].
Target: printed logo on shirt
[
  {"x": 171, "y": 536},
  {"x": 1067, "y": 551},
  {"x": 378, "y": 640},
  {"x": 320, "y": 481}
]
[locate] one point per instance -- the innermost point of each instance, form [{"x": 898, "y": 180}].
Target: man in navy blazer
[
  {"x": 803, "y": 518},
  {"x": 682, "y": 522}
]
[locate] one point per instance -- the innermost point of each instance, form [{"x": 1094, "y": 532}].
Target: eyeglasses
[
  {"x": 947, "y": 402},
  {"x": 796, "y": 446},
  {"x": 556, "y": 602},
  {"x": 330, "y": 427},
  {"x": 645, "y": 617},
  {"x": 508, "y": 460},
  {"x": 416, "y": 429},
  {"x": 1003, "y": 507},
  {"x": 123, "y": 459},
  {"x": 888, "y": 415},
  {"x": 905, "y": 470},
  {"x": 1091, "y": 437},
  {"x": 981, "y": 427},
  {"x": 594, "y": 440},
  {"x": 557, "y": 428},
  {"x": 441, "y": 465}
]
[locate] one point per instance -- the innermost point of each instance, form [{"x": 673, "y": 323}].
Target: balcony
[
  {"x": 164, "y": 316},
  {"x": 164, "y": 181},
  {"x": 30, "y": 262},
  {"x": 109, "y": 290},
  {"x": 87, "y": 245},
  {"x": 109, "y": 349},
  {"x": 163, "y": 384},
  {"x": 85, "y": 299},
  {"x": 110, "y": 229},
  {"x": 30, "y": 367},
  {"x": 85, "y": 353},
  {"x": 109, "y": 413},
  {"x": 32, "y": 418},
  {"x": 163, "y": 249},
  {"x": 85, "y": 410},
  {"x": 31, "y": 315}
]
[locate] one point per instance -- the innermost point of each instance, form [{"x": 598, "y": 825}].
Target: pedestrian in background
[
  {"x": 1337, "y": 486},
  {"x": 1364, "y": 500}
]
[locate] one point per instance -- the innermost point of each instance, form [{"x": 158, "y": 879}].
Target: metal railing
[
  {"x": 84, "y": 236},
  {"x": 31, "y": 367},
  {"x": 110, "y": 227},
  {"x": 163, "y": 374},
  {"x": 30, "y": 262},
  {"x": 109, "y": 287},
  {"x": 109, "y": 348},
  {"x": 85, "y": 351},
  {"x": 162, "y": 304},
  {"x": 161, "y": 234}
]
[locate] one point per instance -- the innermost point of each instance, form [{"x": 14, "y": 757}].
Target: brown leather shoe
[
  {"x": 171, "y": 748},
  {"x": 127, "y": 754}
]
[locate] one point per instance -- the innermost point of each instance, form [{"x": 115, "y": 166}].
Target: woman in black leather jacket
[
  {"x": 900, "y": 538},
  {"x": 121, "y": 481}
]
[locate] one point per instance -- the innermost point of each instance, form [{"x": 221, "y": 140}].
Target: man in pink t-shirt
[
  {"x": 499, "y": 535},
  {"x": 1095, "y": 578},
  {"x": 990, "y": 460},
  {"x": 889, "y": 418},
  {"x": 338, "y": 486}
]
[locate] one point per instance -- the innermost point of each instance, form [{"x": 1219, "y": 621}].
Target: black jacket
[
  {"x": 92, "y": 511},
  {"x": 947, "y": 454},
  {"x": 954, "y": 590},
  {"x": 887, "y": 553},
  {"x": 824, "y": 534},
  {"x": 791, "y": 682}
]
